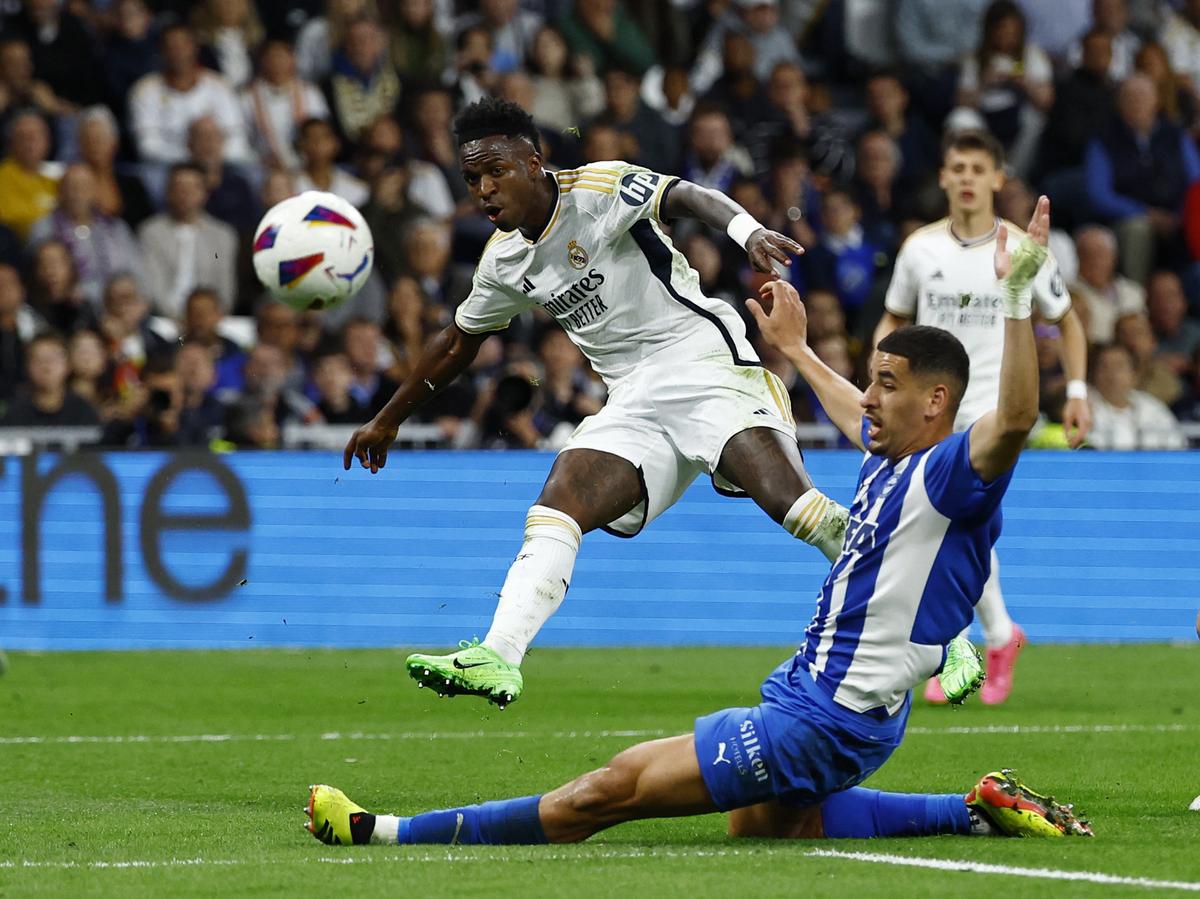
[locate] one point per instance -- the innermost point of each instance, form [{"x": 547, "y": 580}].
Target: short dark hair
[
  {"x": 492, "y": 116},
  {"x": 931, "y": 351},
  {"x": 974, "y": 139},
  {"x": 188, "y": 166}
]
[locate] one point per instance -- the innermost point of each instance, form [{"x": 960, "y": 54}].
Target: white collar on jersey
[{"x": 974, "y": 241}]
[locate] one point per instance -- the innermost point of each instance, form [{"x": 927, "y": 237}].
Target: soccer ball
[{"x": 313, "y": 251}]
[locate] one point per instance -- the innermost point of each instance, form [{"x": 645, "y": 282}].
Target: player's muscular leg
[
  {"x": 767, "y": 465},
  {"x": 658, "y": 779},
  {"x": 778, "y": 821},
  {"x": 592, "y": 487}
]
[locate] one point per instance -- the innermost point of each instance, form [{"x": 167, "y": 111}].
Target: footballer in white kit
[
  {"x": 687, "y": 393},
  {"x": 944, "y": 278}
]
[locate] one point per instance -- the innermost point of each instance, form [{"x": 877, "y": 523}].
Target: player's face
[
  {"x": 970, "y": 178},
  {"x": 898, "y": 406},
  {"x": 503, "y": 175}
]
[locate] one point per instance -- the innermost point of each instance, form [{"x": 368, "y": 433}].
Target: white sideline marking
[
  {"x": 945, "y": 864},
  {"x": 1000, "y": 729},
  {"x": 585, "y": 852}
]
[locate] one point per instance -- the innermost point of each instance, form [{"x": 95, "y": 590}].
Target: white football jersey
[
  {"x": 950, "y": 283},
  {"x": 608, "y": 275}
]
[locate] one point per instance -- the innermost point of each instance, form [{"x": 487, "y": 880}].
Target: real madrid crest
[{"x": 577, "y": 255}]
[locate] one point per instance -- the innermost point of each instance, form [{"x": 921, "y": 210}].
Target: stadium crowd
[{"x": 142, "y": 141}]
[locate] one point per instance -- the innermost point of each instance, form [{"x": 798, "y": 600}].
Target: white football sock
[
  {"x": 536, "y": 582},
  {"x": 818, "y": 521},
  {"x": 387, "y": 830},
  {"x": 991, "y": 611}
]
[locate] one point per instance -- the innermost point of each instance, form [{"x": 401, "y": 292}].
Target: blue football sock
[
  {"x": 860, "y": 812},
  {"x": 490, "y": 823}
]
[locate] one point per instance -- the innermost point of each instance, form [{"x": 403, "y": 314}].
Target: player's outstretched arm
[
  {"x": 1072, "y": 351},
  {"x": 997, "y": 438},
  {"x": 784, "y": 324},
  {"x": 762, "y": 246},
  {"x": 445, "y": 358}
]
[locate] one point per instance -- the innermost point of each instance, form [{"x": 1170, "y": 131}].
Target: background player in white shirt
[
  {"x": 687, "y": 394},
  {"x": 944, "y": 277}
]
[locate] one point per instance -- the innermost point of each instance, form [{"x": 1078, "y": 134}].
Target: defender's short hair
[
  {"x": 974, "y": 139},
  {"x": 931, "y": 351},
  {"x": 492, "y": 116}
]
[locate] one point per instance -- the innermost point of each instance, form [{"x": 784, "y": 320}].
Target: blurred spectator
[
  {"x": 202, "y": 317},
  {"x": 185, "y": 247},
  {"x": 267, "y": 389},
  {"x": 1054, "y": 26},
  {"x": 1138, "y": 174},
  {"x": 410, "y": 317},
  {"x": 163, "y": 104},
  {"x": 28, "y": 183},
  {"x": 650, "y": 141},
  {"x": 569, "y": 394},
  {"x": 1107, "y": 295},
  {"x": 875, "y": 179},
  {"x": 100, "y": 246},
  {"x": 319, "y": 146},
  {"x": 738, "y": 90},
  {"x": 388, "y": 214},
  {"x": 669, "y": 94},
  {"x": 363, "y": 84},
  {"x": 932, "y": 38},
  {"x": 129, "y": 51},
  {"x": 705, "y": 258},
  {"x": 714, "y": 160},
  {"x": 363, "y": 346},
  {"x": 784, "y": 118},
  {"x": 277, "y": 186},
  {"x": 118, "y": 194},
  {"x": 1178, "y": 336},
  {"x": 1152, "y": 375},
  {"x": 319, "y": 36},
  {"x": 132, "y": 335},
  {"x": 770, "y": 43},
  {"x": 507, "y": 412},
  {"x": 1125, "y": 418},
  {"x": 420, "y": 51},
  {"x": 512, "y": 30},
  {"x": 383, "y": 145},
  {"x": 55, "y": 292},
  {"x": 1083, "y": 100},
  {"x": 277, "y": 325},
  {"x": 276, "y": 102},
  {"x": 64, "y": 54},
  {"x": 1010, "y": 81},
  {"x": 1180, "y": 35},
  {"x": 1178, "y": 103},
  {"x": 18, "y": 324},
  {"x": 90, "y": 376},
  {"x": 432, "y": 141},
  {"x": 601, "y": 142},
  {"x": 604, "y": 30},
  {"x": 471, "y": 77},
  {"x": 47, "y": 401},
  {"x": 19, "y": 89},
  {"x": 566, "y": 91},
  {"x": 844, "y": 262},
  {"x": 332, "y": 377},
  {"x": 230, "y": 197},
  {"x": 250, "y": 424},
  {"x": 231, "y": 31},
  {"x": 888, "y": 106},
  {"x": 1111, "y": 17},
  {"x": 427, "y": 248},
  {"x": 201, "y": 414}
]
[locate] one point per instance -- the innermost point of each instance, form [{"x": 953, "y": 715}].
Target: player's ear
[
  {"x": 998, "y": 180},
  {"x": 937, "y": 401}
]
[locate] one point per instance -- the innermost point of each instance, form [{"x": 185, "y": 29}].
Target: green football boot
[
  {"x": 474, "y": 670},
  {"x": 1017, "y": 811},
  {"x": 963, "y": 672}
]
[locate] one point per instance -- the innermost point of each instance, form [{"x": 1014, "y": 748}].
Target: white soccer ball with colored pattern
[{"x": 313, "y": 251}]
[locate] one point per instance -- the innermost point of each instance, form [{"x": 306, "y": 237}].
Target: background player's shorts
[
  {"x": 797, "y": 745},
  {"x": 672, "y": 422}
]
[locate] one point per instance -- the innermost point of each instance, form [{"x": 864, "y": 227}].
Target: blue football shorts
[{"x": 797, "y": 745}]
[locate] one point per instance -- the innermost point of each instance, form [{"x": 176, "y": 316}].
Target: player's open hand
[
  {"x": 765, "y": 246},
  {"x": 1077, "y": 421},
  {"x": 781, "y": 317},
  {"x": 369, "y": 445},
  {"x": 1039, "y": 232}
]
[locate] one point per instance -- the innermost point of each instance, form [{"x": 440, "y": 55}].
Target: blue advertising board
[{"x": 124, "y": 550}]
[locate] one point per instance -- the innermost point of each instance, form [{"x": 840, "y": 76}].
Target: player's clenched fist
[{"x": 780, "y": 316}]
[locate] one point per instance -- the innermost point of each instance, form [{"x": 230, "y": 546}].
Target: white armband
[
  {"x": 740, "y": 227},
  {"x": 1077, "y": 389}
]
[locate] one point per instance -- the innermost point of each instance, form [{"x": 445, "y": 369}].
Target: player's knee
[{"x": 606, "y": 790}]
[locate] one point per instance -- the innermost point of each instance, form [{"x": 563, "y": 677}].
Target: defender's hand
[
  {"x": 763, "y": 245},
  {"x": 781, "y": 317},
  {"x": 369, "y": 444},
  {"x": 1077, "y": 421},
  {"x": 1039, "y": 233}
]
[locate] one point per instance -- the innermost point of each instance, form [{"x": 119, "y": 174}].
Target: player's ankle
[{"x": 503, "y": 646}]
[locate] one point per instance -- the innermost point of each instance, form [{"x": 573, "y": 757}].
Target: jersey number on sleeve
[{"x": 638, "y": 187}]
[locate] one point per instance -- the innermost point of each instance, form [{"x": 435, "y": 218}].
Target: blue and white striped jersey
[{"x": 914, "y": 562}]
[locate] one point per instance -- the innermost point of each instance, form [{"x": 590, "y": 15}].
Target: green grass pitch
[{"x": 141, "y": 804}]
